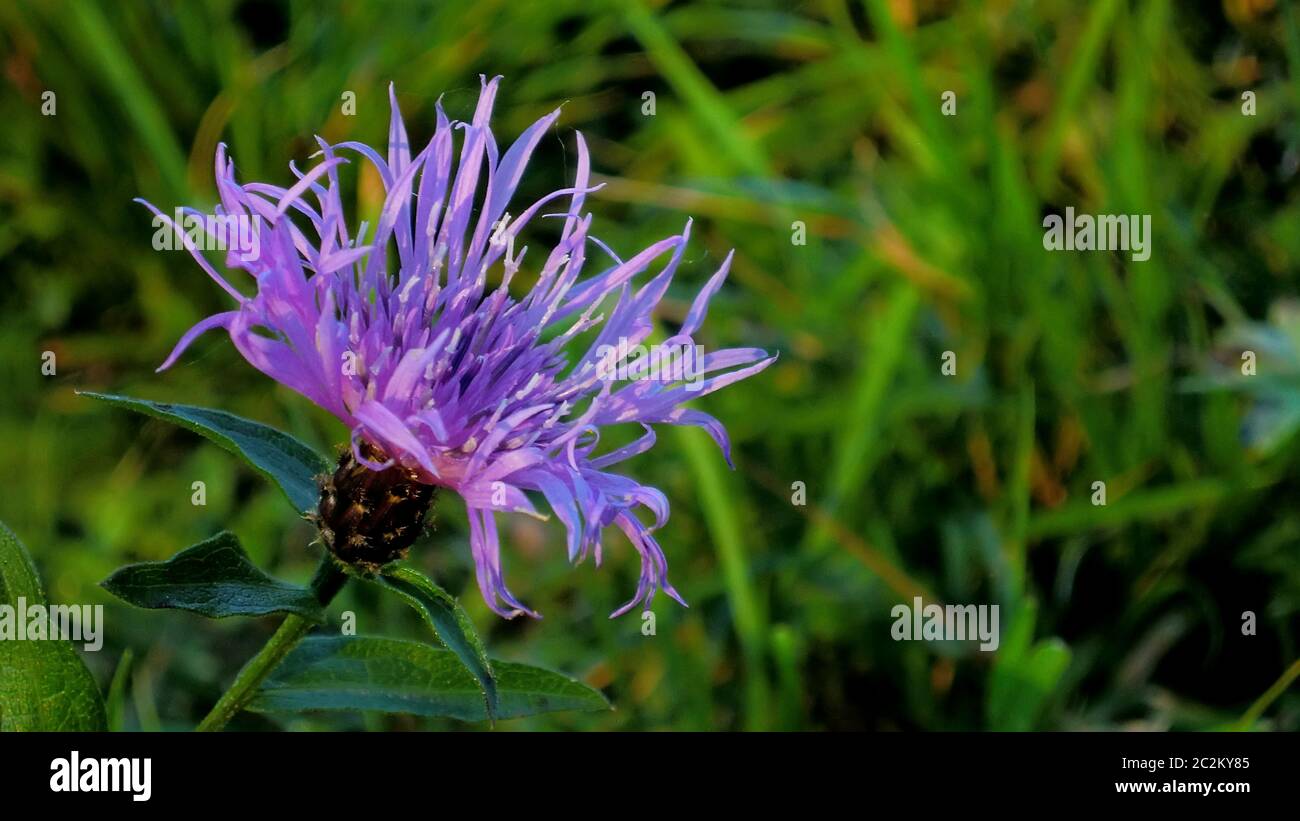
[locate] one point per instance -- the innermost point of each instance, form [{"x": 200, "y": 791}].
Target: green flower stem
[{"x": 329, "y": 580}]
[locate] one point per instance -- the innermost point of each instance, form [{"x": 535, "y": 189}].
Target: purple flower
[{"x": 461, "y": 382}]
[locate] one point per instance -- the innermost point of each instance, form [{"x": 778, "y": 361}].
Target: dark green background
[{"x": 923, "y": 236}]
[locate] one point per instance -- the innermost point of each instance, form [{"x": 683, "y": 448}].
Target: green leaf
[
  {"x": 1025, "y": 675},
  {"x": 44, "y": 685},
  {"x": 450, "y": 623},
  {"x": 399, "y": 676},
  {"x": 115, "y": 702},
  {"x": 277, "y": 456},
  {"x": 214, "y": 578}
]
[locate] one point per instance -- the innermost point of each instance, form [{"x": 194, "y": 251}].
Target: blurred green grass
[{"x": 924, "y": 236}]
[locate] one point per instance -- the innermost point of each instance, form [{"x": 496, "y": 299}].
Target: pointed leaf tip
[
  {"x": 292, "y": 465},
  {"x": 213, "y": 578}
]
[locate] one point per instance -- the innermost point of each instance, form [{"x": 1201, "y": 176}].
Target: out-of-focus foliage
[{"x": 924, "y": 235}]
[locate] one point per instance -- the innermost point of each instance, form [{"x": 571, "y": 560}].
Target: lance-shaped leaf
[
  {"x": 399, "y": 676},
  {"x": 44, "y": 685},
  {"x": 276, "y": 455},
  {"x": 450, "y": 623},
  {"x": 214, "y": 578}
]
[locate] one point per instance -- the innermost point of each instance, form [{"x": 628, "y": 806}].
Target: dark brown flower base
[{"x": 369, "y": 518}]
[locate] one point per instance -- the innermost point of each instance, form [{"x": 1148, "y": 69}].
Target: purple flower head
[{"x": 468, "y": 385}]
